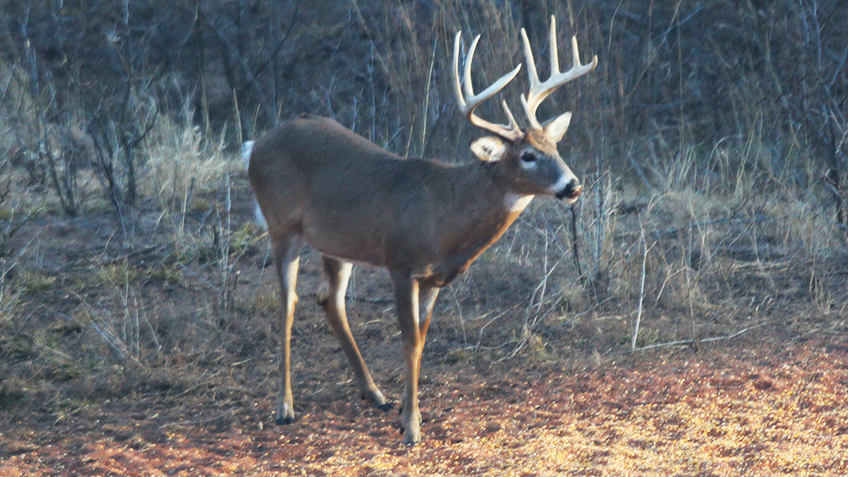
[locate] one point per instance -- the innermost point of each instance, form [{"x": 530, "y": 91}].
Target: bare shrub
[{"x": 44, "y": 136}]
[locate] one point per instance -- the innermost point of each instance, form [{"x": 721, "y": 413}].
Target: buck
[{"x": 423, "y": 220}]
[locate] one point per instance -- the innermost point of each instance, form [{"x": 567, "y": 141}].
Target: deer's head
[{"x": 527, "y": 159}]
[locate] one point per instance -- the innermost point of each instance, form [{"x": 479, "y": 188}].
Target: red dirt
[{"x": 724, "y": 411}]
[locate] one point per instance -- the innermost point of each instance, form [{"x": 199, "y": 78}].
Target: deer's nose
[{"x": 572, "y": 190}]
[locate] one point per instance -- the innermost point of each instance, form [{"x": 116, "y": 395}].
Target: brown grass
[{"x": 710, "y": 214}]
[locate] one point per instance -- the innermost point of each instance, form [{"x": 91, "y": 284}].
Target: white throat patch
[{"x": 516, "y": 202}]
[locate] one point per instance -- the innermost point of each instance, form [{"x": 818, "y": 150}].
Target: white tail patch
[
  {"x": 246, "y": 151},
  {"x": 260, "y": 219}
]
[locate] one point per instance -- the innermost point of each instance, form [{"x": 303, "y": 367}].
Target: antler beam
[{"x": 468, "y": 101}]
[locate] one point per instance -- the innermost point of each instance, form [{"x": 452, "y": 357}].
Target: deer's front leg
[
  {"x": 426, "y": 299},
  {"x": 406, "y": 301}
]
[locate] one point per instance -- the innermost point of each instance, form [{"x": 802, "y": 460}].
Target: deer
[{"x": 423, "y": 220}]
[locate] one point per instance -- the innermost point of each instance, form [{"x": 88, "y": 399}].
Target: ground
[{"x": 747, "y": 408}]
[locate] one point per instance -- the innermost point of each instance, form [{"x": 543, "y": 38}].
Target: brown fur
[{"x": 425, "y": 221}]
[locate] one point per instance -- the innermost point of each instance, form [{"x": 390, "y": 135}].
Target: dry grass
[
  {"x": 183, "y": 163},
  {"x": 705, "y": 224}
]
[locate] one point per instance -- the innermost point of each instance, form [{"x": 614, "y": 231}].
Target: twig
[
  {"x": 153, "y": 248},
  {"x": 641, "y": 291},
  {"x": 687, "y": 342},
  {"x": 482, "y": 328},
  {"x": 280, "y": 44},
  {"x": 575, "y": 239},
  {"x": 378, "y": 301}
]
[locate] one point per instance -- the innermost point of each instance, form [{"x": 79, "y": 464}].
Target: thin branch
[
  {"x": 276, "y": 50},
  {"x": 641, "y": 291},
  {"x": 688, "y": 342}
]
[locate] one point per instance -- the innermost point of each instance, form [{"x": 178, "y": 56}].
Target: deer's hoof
[
  {"x": 283, "y": 420},
  {"x": 285, "y": 415},
  {"x": 376, "y": 399},
  {"x": 411, "y": 436}
]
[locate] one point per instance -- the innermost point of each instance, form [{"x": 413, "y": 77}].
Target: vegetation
[{"x": 711, "y": 139}]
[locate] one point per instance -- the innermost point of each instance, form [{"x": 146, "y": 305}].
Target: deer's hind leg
[
  {"x": 286, "y": 261},
  {"x": 331, "y": 297}
]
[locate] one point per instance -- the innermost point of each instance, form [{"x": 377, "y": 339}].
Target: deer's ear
[
  {"x": 488, "y": 148},
  {"x": 555, "y": 128}
]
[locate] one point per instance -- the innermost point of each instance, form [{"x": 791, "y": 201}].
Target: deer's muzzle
[{"x": 571, "y": 191}]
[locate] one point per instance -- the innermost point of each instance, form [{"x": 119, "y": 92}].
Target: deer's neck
[
  {"x": 493, "y": 202},
  {"x": 477, "y": 212}
]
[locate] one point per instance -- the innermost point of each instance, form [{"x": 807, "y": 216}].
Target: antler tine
[
  {"x": 468, "y": 101},
  {"x": 541, "y": 90}
]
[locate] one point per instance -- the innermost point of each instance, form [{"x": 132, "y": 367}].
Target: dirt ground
[{"x": 750, "y": 408}]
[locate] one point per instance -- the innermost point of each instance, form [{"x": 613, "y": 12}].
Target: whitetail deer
[{"x": 425, "y": 221}]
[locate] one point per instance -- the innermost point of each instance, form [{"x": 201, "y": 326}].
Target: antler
[
  {"x": 538, "y": 90},
  {"x": 469, "y": 102}
]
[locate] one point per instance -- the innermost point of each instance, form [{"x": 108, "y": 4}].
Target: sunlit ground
[{"x": 724, "y": 412}]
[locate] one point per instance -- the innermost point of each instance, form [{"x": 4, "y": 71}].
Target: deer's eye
[{"x": 528, "y": 156}]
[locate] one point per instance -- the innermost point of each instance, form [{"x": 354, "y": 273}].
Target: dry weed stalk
[{"x": 638, "y": 320}]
